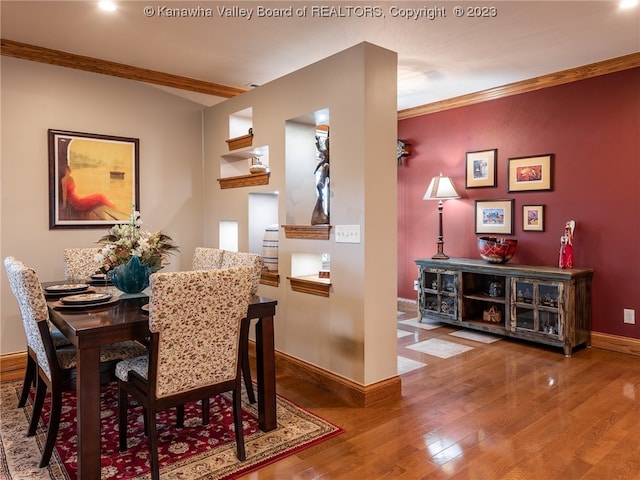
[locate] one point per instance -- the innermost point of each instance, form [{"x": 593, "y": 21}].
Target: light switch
[{"x": 347, "y": 233}]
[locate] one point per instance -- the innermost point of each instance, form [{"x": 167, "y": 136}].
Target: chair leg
[
  {"x": 237, "y": 422},
  {"x": 123, "y": 407},
  {"x": 205, "y": 411},
  {"x": 153, "y": 443},
  {"x": 244, "y": 360},
  {"x": 54, "y": 425},
  {"x": 144, "y": 421},
  {"x": 180, "y": 416},
  {"x": 41, "y": 390},
  {"x": 29, "y": 381}
]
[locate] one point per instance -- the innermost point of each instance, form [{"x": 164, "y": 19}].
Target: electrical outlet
[
  {"x": 415, "y": 285},
  {"x": 629, "y": 316}
]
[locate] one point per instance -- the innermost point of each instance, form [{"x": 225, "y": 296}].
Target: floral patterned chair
[
  {"x": 30, "y": 373},
  {"x": 207, "y": 258},
  {"x": 80, "y": 263},
  {"x": 194, "y": 319},
  {"x": 54, "y": 367},
  {"x": 214, "y": 259}
]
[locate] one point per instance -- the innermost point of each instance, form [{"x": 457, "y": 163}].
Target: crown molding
[
  {"x": 553, "y": 79},
  {"x": 89, "y": 64}
]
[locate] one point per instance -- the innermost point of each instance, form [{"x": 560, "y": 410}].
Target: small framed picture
[
  {"x": 481, "y": 169},
  {"x": 530, "y": 173},
  {"x": 494, "y": 216},
  {"x": 533, "y": 218}
]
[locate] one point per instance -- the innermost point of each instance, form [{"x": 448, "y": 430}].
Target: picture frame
[
  {"x": 93, "y": 179},
  {"x": 533, "y": 218},
  {"x": 481, "y": 167},
  {"x": 530, "y": 173},
  {"x": 494, "y": 216}
]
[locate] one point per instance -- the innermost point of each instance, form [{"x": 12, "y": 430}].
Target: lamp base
[{"x": 440, "y": 255}]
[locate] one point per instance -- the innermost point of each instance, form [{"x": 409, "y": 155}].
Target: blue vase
[{"x": 131, "y": 277}]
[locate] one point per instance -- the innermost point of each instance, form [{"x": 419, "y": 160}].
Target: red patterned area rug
[{"x": 195, "y": 452}]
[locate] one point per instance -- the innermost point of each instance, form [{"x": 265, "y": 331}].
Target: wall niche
[{"x": 307, "y": 176}]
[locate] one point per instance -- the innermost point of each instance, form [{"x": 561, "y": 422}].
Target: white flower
[{"x": 127, "y": 240}]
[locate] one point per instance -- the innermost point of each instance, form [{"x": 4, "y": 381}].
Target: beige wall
[
  {"x": 36, "y": 97},
  {"x": 352, "y": 333}
]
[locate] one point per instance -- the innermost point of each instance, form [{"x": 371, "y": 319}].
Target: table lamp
[{"x": 441, "y": 188}]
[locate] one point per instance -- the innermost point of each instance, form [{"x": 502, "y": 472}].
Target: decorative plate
[
  {"x": 86, "y": 298},
  {"x": 58, "y": 305},
  {"x": 67, "y": 287}
]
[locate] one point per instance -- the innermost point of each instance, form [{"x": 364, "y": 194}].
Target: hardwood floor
[
  {"x": 500, "y": 411},
  {"x": 504, "y": 410}
]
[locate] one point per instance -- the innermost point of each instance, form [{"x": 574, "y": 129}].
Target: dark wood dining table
[{"x": 90, "y": 327}]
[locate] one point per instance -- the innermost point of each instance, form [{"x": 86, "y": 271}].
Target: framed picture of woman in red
[{"x": 93, "y": 179}]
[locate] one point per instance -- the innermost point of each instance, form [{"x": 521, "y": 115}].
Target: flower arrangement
[{"x": 128, "y": 240}]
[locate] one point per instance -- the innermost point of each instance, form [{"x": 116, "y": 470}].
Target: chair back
[
  {"x": 205, "y": 258},
  {"x": 243, "y": 259},
  {"x": 196, "y": 316},
  {"x": 80, "y": 263},
  {"x": 33, "y": 307}
]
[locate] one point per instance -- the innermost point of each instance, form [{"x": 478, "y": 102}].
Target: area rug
[
  {"x": 404, "y": 333},
  {"x": 439, "y": 348},
  {"x": 414, "y": 322},
  {"x": 476, "y": 336},
  {"x": 196, "y": 452},
  {"x": 406, "y": 365}
]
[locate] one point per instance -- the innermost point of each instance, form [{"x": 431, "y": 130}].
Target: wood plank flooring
[
  {"x": 504, "y": 410},
  {"x": 501, "y": 411}
]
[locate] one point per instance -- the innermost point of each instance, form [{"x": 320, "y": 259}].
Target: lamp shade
[{"x": 440, "y": 188}]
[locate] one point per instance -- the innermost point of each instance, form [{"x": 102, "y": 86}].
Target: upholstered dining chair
[
  {"x": 205, "y": 258},
  {"x": 80, "y": 263},
  {"x": 30, "y": 373},
  {"x": 54, "y": 367},
  {"x": 194, "y": 319}
]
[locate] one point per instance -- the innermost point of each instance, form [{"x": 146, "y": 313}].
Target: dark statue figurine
[{"x": 320, "y": 215}]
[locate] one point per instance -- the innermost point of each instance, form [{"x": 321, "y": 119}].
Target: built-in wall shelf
[
  {"x": 270, "y": 278},
  {"x": 317, "y": 232},
  {"x": 240, "y": 142},
  {"x": 245, "y": 180},
  {"x": 311, "y": 284}
]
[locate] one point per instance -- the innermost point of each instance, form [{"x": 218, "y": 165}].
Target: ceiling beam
[
  {"x": 70, "y": 60},
  {"x": 566, "y": 76}
]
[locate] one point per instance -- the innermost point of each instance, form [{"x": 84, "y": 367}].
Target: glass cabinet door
[
  {"x": 535, "y": 306},
  {"x": 438, "y": 292}
]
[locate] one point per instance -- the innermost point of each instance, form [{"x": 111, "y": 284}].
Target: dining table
[{"x": 88, "y": 327}]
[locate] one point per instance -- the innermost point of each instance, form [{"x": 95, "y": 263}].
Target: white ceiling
[{"x": 437, "y": 59}]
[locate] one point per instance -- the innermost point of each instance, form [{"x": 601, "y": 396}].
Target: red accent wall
[{"x": 593, "y": 128}]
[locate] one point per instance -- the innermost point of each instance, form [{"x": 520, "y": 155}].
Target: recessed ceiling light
[
  {"x": 628, "y": 3},
  {"x": 107, "y": 5}
]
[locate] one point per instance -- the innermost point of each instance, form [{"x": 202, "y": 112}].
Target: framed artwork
[
  {"x": 530, "y": 173},
  {"x": 481, "y": 169},
  {"x": 533, "y": 218},
  {"x": 93, "y": 179},
  {"x": 494, "y": 216}
]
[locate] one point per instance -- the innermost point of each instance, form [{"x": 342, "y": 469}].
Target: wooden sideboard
[{"x": 542, "y": 304}]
